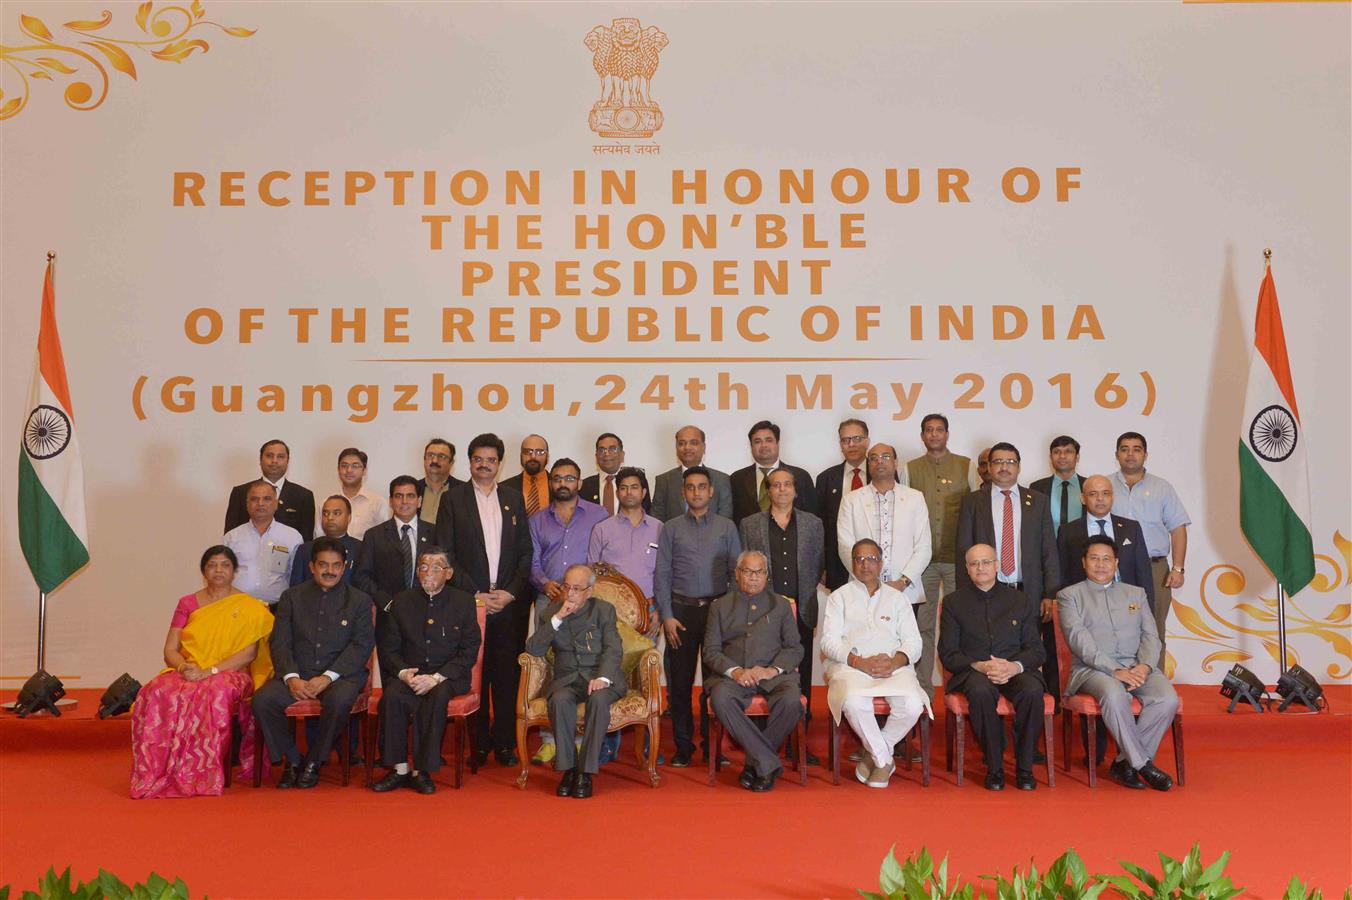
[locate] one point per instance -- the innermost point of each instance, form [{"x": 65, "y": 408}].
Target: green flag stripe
[
  {"x": 52, "y": 549},
  {"x": 1275, "y": 532}
]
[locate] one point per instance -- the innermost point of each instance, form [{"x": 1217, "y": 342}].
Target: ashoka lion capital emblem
[{"x": 625, "y": 56}]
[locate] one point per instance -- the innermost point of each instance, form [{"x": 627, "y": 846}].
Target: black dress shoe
[
  {"x": 765, "y": 782},
  {"x": 288, "y": 779},
  {"x": 309, "y": 775},
  {"x": 813, "y": 760},
  {"x": 422, "y": 783},
  {"x": 995, "y": 781},
  {"x": 565, "y": 788},
  {"x": 1155, "y": 777},
  {"x": 390, "y": 782},
  {"x": 681, "y": 760},
  {"x": 746, "y": 778},
  {"x": 1122, "y": 772},
  {"x": 582, "y": 787},
  {"x": 1024, "y": 780},
  {"x": 506, "y": 756},
  {"x": 479, "y": 758}
]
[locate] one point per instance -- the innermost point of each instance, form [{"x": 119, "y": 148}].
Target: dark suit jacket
[
  {"x": 380, "y": 572},
  {"x": 459, "y": 531},
  {"x": 309, "y": 643},
  {"x": 669, "y": 494},
  {"x": 738, "y": 636},
  {"x": 829, "y": 490},
  {"x": 755, "y": 534},
  {"x": 300, "y": 565},
  {"x": 746, "y": 491},
  {"x": 1038, "y": 561},
  {"x": 974, "y": 626},
  {"x": 1133, "y": 559},
  {"x": 591, "y": 490},
  {"x": 586, "y": 646},
  {"x": 295, "y": 507},
  {"x": 441, "y": 637}
]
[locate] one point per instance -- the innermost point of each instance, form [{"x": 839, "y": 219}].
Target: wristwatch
[{"x": 1178, "y": 569}]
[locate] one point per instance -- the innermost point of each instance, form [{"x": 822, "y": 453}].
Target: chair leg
[
  {"x": 368, "y": 739},
  {"x": 1047, "y": 732},
  {"x": 924, "y": 751},
  {"x": 716, "y": 743},
  {"x": 472, "y": 747},
  {"x": 1065, "y": 739},
  {"x": 960, "y": 727},
  {"x": 833, "y": 748},
  {"x": 524, "y": 775},
  {"x": 1091, "y": 726},
  {"x": 802, "y": 751},
  {"x": 260, "y": 747},
  {"x": 948, "y": 741},
  {"x": 1177, "y": 729},
  {"x": 654, "y": 733}
]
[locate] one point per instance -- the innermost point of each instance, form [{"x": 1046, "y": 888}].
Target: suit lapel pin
[
  {"x": 343, "y": 623},
  {"x": 1133, "y": 607}
]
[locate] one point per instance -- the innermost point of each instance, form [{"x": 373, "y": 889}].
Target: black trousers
[
  {"x": 504, "y": 639},
  {"x": 682, "y": 663},
  {"x": 1024, "y": 691},
  {"x": 270, "y": 703},
  {"x": 805, "y": 667},
  {"x": 399, "y": 706},
  {"x": 1051, "y": 668},
  {"x": 563, "y": 702},
  {"x": 730, "y": 700}
]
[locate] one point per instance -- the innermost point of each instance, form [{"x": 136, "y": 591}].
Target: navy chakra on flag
[
  {"x": 1272, "y": 434},
  {"x": 46, "y": 433}
]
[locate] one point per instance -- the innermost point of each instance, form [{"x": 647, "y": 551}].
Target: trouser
[
  {"x": 270, "y": 703},
  {"x": 399, "y": 705},
  {"x": 1137, "y": 738},
  {"x": 879, "y": 742},
  {"x": 504, "y": 639},
  {"x": 730, "y": 700},
  {"x": 1164, "y": 598},
  {"x": 682, "y": 662},
  {"x": 805, "y": 667},
  {"x": 1051, "y": 667},
  {"x": 1024, "y": 691},
  {"x": 563, "y": 701},
  {"x": 935, "y": 576}
]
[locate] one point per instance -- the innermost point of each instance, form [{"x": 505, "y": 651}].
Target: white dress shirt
[{"x": 369, "y": 509}]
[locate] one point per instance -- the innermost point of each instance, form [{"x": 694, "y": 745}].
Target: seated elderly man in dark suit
[
  {"x": 751, "y": 646},
  {"x": 321, "y": 644},
  {"x": 582, "y": 631}
]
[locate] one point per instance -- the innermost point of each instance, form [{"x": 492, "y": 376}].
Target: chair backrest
[
  {"x": 1063, "y": 657},
  {"x": 477, "y": 673},
  {"x": 631, "y": 607}
]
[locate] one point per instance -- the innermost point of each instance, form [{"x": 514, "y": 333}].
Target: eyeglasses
[
  {"x": 609, "y": 451},
  {"x": 425, "y": 568},
  {"x": 868, "y": 559},
  {"x": 880, "y": 457},
  {"x": 479, "y": 460},
  {"x": 577, "y": 588},
  {"x": 565, "y": 479},
  {"x": 443, "y": 456},
  {"x": 350, "y": 465},
  {"x": 535, "y": 451},
  {"x": 1003, "y": 462},
  {"x": 978, "y": 563},
  {"x": 755, "y": 573},
  {"x": 854, "y": 439}
]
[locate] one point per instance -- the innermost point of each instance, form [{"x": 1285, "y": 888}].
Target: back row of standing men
[{"x": 511, "y": 542}]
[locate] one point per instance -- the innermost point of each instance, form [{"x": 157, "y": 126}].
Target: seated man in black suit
[
  {"x": 295, "y": 504},
  {"x": 582, "y": 632},
  {"x": 989, "y": 641},
  {"x": 428, "y": 644},
  {"x": 390, "y": 550},
  {"x": 321, "y": 644}
]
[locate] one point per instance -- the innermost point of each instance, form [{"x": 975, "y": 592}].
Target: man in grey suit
[
  {"x": 669, "y": 488},
  {"x": 751, "y": 647},
  {"x": 794, "y": 541},
  {"x": 1115, "y": 646},
  {"x": 581, "y": 630}
]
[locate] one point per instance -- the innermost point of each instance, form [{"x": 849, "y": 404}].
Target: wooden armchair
[{"x": 641, "y": 706}]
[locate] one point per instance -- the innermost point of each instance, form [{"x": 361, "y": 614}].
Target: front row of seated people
[{"x": 224, "y": 648}]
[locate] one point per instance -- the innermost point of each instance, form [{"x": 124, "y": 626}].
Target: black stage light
[
  {"x": 1298, "y": 686},
  {"x": 119, "y": 697},
  {"x": 1241, "y": 684},
  {"x": 40, "y": 692}
]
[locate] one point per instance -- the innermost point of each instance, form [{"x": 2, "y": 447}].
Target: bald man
[
  {"x": 669, "y": 487},
  {"x": 1133, "y": 559}
]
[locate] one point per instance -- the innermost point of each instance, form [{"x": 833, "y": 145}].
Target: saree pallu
[{"x": 181, "y": 730}]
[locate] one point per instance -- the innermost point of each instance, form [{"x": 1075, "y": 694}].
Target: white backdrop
[{"x": 1189, "y": 138}]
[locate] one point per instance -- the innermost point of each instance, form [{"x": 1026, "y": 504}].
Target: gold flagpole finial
[
  {"x": 51, "y": 256},
  {"x": 1267, "y": 257}
]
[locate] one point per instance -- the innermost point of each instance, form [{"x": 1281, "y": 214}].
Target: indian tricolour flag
[
  {"x": 51, "y": 476},
  {"x": 1274, "y": 481}
]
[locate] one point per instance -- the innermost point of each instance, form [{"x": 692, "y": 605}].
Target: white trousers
[{"x": 858, "y": 711}]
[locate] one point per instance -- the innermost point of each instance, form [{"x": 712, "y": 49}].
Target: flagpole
[{"x": 1281, "y": 626}]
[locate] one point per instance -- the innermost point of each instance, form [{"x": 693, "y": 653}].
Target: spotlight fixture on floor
[
  {"x": 119, "y": 697},
  {"x": 39, "y": 692},
  {"x": 1242, "y": 685},
  {"x": 1297, "y": 685}
]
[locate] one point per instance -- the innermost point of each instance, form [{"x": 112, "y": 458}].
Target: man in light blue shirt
[
  {"x": 1152, "y": 502},
  {"x": 264, "y": 547}
]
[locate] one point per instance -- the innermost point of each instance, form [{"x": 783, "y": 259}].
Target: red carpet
[{"x": 1275, "y": 790}]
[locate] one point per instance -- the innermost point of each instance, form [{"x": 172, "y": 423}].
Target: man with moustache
[
  {"x": 834, "y": 484},
  {"x": 484, "y": 528},
  {"x": 983, "y": 466},
  {"x": 428, "y": 645},
  {"x": 1064, "y": 486},
  {"x": 295, "y": 504},
  {"x": 391, "y": 549},
  {"x": 266, "y": 549},
  {"x": 333, "y": 519},
  {"x": 750, "y": 487},
  {"x": 532, "y": 482},
  {"x": 438, "y": 461},
  {"x": 1133, "y": 559},
  {"x": 669, "y": 488},
  {"x": 321, "y": 643},
  {"x": 601, "y": 487}
]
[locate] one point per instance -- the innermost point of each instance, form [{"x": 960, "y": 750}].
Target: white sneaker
[
  {"x": 864, "y": 770},
  {"x": 881, "y": 775}
]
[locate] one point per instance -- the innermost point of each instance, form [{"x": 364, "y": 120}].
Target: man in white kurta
[{"x": 869, "y": 639}]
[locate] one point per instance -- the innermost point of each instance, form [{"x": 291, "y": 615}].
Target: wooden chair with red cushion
[
  {"x": 458, "y": 710},
  {"x": 955, "y": 732},
  {"x": 881, "y": 707},
  {"x": 1088, "y": 708}
]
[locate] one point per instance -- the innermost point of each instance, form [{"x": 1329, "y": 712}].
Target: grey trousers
[
  {"x": 563, "y": 703},
  {"x": 927, "y": 619},
  {"x": 1164, "y": 598},
  {"x": 1137, "y": 738},
  {"x": 730, "y": 700}
]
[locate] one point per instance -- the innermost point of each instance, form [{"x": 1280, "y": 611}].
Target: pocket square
[{"x": 1126, "y": 542}]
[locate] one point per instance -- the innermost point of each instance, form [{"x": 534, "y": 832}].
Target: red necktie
[
  {"x": 857, "y": 482},
  {"x": 608, "y": 499},
  {"x": 1007, "y": 538}
]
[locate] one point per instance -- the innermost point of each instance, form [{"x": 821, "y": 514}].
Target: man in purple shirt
[
  {"x": 628, "y": 539},
  {"x": 559, "y": 535}
]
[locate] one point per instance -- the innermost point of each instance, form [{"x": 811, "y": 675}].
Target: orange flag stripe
[
  {"x": 50, "y": 361},
  {"x": 1270, "y": 340}
]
